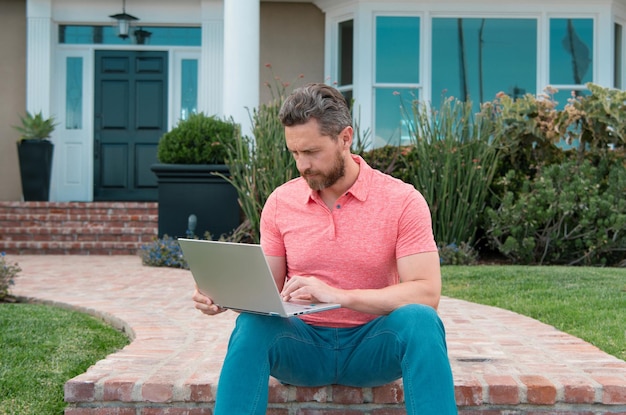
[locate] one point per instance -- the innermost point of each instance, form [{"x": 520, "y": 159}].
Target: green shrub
[
  {"x": 389, "y": 159},
  {"x": 199, "y": 139},
  {"x": 8, "y": 272},
  {"x": 462, "y": 254},
  {"x": 570, "y": 213}
]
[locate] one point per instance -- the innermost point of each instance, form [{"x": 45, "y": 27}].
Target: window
[
  {"x": 397, "y": 76},
  {"x": 571, "y": 51},
  {"x": 397, "y": 49},
  {"x": 74, "y": 93},
  {"x": 345, "y": 58},
  {"x": 189, "y": 88},
  {"x": 571, "y": 56},
  {"x": 149, "y": 35},
  {"x": 618, "y": 56},
  {"x": 473, "y": 59},
  {"x": 428, "y": 51}
]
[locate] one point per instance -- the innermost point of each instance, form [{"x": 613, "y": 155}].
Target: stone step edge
[
  {"x": 53, "y": 245},
  {"x": 137, "y": 237},
  {"x": 89, "y": 229},
  {"x": 56, "y": 217},
  {"x": 475, "y": 393},
  {"x": 87, "y": 205}
]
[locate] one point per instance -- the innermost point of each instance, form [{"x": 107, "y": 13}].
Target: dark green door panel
[{"x": 130, "y": 117}]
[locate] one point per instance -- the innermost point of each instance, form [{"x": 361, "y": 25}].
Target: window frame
[
  {"x": 364, "y": 14},
  {"x": 376, "y": 86}
]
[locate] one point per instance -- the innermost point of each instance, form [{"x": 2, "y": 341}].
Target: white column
[
  {"x": 241, "y": 60},
  {"x": 211, "y": 73},
  {"x": 39, "y": 35}
]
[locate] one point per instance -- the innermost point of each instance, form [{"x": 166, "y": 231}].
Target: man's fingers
[{"x": 205, "y": 304}]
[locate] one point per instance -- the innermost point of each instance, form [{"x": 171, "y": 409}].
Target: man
[{"x": 341, "y": 233}]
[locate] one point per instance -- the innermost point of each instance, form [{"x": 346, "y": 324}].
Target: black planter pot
[
  {"x": 187, "y": 189},
  {"x": 35, "y": 158}
]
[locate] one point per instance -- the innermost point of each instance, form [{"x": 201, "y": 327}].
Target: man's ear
[{"x": 346, "y": 137}]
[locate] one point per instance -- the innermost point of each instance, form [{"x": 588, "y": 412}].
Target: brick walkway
[{"x": 503, "y": 363}]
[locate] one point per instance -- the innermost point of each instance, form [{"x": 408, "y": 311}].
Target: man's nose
[{"x": 302, "y": 163}]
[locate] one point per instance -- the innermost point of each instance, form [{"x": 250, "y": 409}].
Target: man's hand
[
  {"x": 420, "y": 283},
  {"x": 205, "y": 304},
  {"x": 310, "y": 289}
]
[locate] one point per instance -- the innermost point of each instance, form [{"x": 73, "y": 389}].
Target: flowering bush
[
  {"x": 7, "y": 273},
  {"x": 163, "y": 252},
  {"x": 166, "y": 251}
]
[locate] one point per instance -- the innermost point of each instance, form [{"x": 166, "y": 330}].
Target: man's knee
[
  {"x": 418, "y": 312},
  {"x": 417, "y": 318}
]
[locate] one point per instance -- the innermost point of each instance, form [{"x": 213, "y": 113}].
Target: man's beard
[{"x": 323, "y": 180}]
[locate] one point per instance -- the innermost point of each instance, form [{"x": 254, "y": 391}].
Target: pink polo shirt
[{"x": 356, "y": 245}]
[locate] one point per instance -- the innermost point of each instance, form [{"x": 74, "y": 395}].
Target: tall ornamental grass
[
  {"x": 261, "y": 163},
  {"x": 452, "y": 162}
]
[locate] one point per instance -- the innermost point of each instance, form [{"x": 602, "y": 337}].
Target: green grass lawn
[
  {"x": 42, "y": 347},
  {"x": 589, "y": 303}
]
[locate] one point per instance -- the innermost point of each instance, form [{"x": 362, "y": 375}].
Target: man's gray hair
[{"x": 320, "y": 101}]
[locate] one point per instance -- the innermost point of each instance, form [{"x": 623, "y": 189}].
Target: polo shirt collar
[{"x": 360, "y": 188}]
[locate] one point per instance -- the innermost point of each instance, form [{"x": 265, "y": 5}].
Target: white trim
[
  {"x": 426, "y": 56},
  {"x": 603, "y": 51},
  {"x": 38, "y": 64},
  {"x": 363, "y": 67}
]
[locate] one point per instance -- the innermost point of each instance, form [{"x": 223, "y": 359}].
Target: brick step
[
  {"x": 28, "y": 220},
  {"x": 101, "y": 208},
  {"x": 70, "y": 247},
  {"x": 77, "y": 228},
  {"x": 79, "y": 233}
]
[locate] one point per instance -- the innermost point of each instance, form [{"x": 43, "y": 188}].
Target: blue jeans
[{"x": 409, "y": 343}]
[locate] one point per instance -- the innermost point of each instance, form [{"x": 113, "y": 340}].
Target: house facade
[{"x": 113, "y": 97}]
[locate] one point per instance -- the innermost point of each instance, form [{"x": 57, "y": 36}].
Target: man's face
[{"x": 319, "y": 159}]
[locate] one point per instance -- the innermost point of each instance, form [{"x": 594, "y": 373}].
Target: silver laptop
[{"x": 237, "y": 276}]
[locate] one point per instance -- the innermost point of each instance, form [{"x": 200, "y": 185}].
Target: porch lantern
[
  {"x": 123, "y": 21},
  {"x": 142, "y": 36}
]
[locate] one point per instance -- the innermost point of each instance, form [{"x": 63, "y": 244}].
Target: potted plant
[
  {"x": 191, "y": 177},
  {"x": 35, "y": 150}
]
